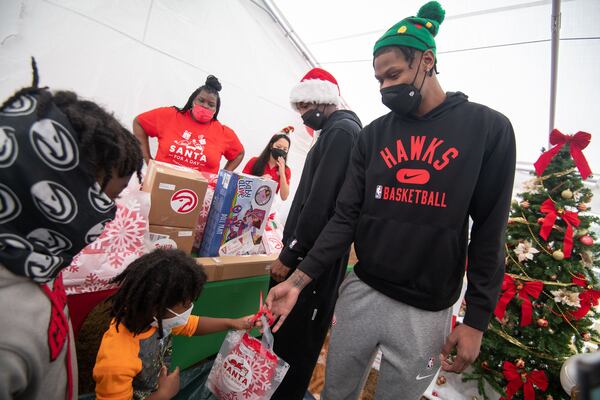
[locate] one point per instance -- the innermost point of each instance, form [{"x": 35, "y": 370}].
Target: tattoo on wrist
[{"x": 298, "y": 279}]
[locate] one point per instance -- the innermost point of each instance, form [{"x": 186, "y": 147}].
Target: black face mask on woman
[
  {"x": 314, "y": 119},
  {"x": 276, "y": 153},
  {"x": 405, "y": 98}
]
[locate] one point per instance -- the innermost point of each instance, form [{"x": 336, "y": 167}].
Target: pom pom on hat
[
  {"x": 416, "y": 32},
  {"x": 317, "y": 86},
  {"x": 432, "y": 11}
]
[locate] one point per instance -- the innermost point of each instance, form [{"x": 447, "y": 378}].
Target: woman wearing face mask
[
  {"x": 191, "y": 136},
  {"x": 272, "y": 162}
]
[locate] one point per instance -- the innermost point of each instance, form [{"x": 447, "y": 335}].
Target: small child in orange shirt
[{"x": 154, "y": 302}]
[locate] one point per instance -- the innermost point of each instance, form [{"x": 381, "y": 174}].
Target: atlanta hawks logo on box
[{"x": 184, "y": 201}]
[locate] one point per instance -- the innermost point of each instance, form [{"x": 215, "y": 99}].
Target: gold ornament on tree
[
  {"x": 558, "y": 255},
  {"x": 566, "y": 194},
  {"x": 520, "y": 363}
]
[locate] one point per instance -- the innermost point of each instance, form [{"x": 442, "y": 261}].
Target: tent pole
[
  {"x": 280, "y": 19},
  {"x": 555, "y": 27}
]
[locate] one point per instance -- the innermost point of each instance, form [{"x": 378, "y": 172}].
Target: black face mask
[
  {"x": 403, "y": 99},
  {"x": 314, "y": 119},
  {"x": 276, "y": 153}
]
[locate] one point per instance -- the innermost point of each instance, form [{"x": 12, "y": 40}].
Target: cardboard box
[
  {"x": 176, "y": 194},
  {"x": 172, "y": 237},
  {"x": 234, "y": 267},
  {"x": 240, "y": 203}
]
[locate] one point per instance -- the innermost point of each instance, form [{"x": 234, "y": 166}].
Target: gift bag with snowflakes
[
  {"x": 116, "y": 244},
  {"x": 246, "y": 368}
]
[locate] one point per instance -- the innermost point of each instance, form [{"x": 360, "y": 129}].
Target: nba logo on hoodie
[{"x": 378, "y": 191}]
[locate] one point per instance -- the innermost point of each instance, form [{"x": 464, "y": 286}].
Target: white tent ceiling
[
  {"x": 135, "y": 55},
  {"x": 495, "y": 51}
]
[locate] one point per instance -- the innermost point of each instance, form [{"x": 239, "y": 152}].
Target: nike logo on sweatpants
[{"x": 419, "y": 377}]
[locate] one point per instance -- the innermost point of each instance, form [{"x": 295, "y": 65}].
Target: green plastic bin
[{"x": 228, "y": 299}]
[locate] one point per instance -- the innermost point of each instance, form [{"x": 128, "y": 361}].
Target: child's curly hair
[{"x": 151, "y": 284}]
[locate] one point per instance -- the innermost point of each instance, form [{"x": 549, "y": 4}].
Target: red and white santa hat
[{"x": 317, "y": 86}]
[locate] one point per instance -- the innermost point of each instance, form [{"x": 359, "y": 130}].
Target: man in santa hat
[
  {"x": 416, "y": 176},
  {"x": 317, "y": 99}
]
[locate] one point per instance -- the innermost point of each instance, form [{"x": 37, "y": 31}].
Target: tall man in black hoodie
[
  {"x": 316, "y": 98},
  {"x": 416, "y": 176}
]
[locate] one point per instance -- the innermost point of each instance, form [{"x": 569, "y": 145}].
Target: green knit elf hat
[{"x": 416, "y": 32}]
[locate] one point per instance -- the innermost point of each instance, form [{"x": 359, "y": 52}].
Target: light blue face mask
[{"x": 173, "y": 322}]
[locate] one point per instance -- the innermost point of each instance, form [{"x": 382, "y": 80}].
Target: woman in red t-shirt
[
  {"x": 191, "y": 136},
  {"x": 271, "y": 162}
]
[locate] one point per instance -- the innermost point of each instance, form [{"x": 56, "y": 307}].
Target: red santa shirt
[{"x": 183, "y": 141}]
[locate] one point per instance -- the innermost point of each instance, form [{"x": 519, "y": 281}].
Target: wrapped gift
[
  {"x": 246, "y": 368},
  {"x": 241, "y": 203}
]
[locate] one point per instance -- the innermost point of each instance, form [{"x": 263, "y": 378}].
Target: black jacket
[
  {"x": 322, "y": 177},
  {"x": 412, "y": 185}
]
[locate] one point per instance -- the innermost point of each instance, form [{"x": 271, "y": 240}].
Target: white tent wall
[
  {"x": 132, "y": 56},
  {"x": 513, "y": 78}
]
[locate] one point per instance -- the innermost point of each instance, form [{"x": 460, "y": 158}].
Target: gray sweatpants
[{"x": 409, "y": 338}]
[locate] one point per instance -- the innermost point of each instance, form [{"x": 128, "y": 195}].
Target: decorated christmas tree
[{"x": 546, "y": 311}]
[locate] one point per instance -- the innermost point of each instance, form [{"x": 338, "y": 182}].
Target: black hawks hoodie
[{"x": 412, "y": 184}]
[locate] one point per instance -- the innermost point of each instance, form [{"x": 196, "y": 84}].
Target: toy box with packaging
[{"x": 239, "y": 210}]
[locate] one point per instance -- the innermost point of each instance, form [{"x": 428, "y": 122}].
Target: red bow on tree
[
  {"x": 577, "y": 143},
  {"x": 571, "y": 218},
  {"x": 517, "y": 379},
  {"x": 510, "y": 288},
  {"x": 587, "y": 298}
]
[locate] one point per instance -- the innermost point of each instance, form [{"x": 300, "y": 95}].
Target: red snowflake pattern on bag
[
  {"x": 246, "y": 368},
  {"x": 123, "y": 240}
]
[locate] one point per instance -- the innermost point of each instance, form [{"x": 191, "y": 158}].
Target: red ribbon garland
[
  {"x": 571, "y": 218},
  {"x": 577, "y": 143},
  {"x": 509, "y": 287},
  {"x": 587, "y": 298},
  {"x": 263, "y": 310},
  {"x": 517, "y": 379}
]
